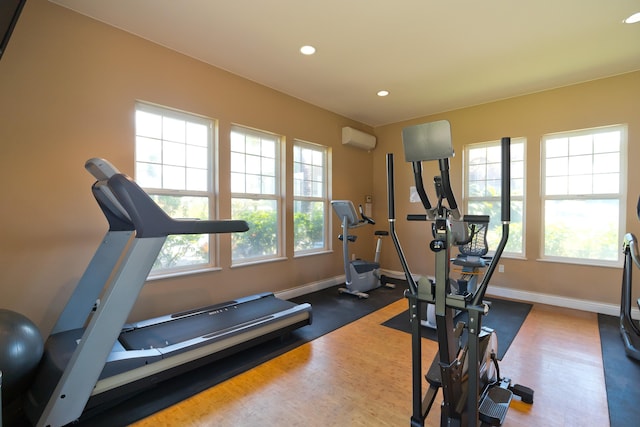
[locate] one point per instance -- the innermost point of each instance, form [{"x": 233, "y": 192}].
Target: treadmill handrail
[{"x": 128, "y": 207}]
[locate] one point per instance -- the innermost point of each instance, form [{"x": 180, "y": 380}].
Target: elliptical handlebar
[
  {"x": 447, "y": 193},
  {"x": 630, "y": 244},
  {"x": 365, "y": 218},
  {"x": 505, "y": 201},
  {"x": 413, "y": 286}
]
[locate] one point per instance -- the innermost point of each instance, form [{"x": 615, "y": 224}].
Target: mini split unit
[{"x": 358, "y": 139}]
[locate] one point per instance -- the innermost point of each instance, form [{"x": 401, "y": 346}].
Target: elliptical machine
[
  {"x": 629, "y": 328},
  {"x": 472, "y": 259},
  {"x": 360, "y": 275},
  {"x": 473, "y": 391}
]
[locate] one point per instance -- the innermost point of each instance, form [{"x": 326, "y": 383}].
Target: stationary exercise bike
[
  {"x": 471, "y": 260},
  {"x": 474, "y": 393},
  {"x": 629, "y": 328},
  {"x": 360, "y": 275}
]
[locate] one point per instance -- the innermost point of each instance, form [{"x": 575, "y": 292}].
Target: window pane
[
  {"x": 309, "y": 182},
  {"x": 197, "y": 157},
  {"x": 580, "y": 145},
  {"x": 148, "y": 124},
  {"x": 183, "y": 250},
  {"x": 268, "y": 185},
  {"x": 557, "y": 185},
  {"x": 607, "y": 142},
  {"x": 173, "y": 178},
  {"x": 494, "y": 234},
  {"x": 197, "y": 134},
  {"x": 148, "y": 150},
  {"x": 580, "y": 184},
  {"x": 593, "y": 168},
  {"x": 237, "y": 162},
  {"x": 252, "y": 164},
  {"x": 173, "y": 130},
  {"x": 570, "y": 225},
  {"x": 253, "y": 145},
  {"x": 238, "y": 183},
  {"x": 604, "y": 163},
  {"x": 580, "y": 165},
  {"x": 484, "y": 187},
  {"x": 237, "y": 142},
  {"x": 477, "y": 172},
  {"x": 268, "y": 167},
  {"x": 557, "y": 166},
  {"x": 606, "y": 183},
  {"x": 253, "y": 184},
  {"x": 173, "y": 152},
  {"x": 517, "y": 187},
  {"x": 557, "y": 147},
  {"x": 262, "y": 238},
  {"x": 309, "y": 221},
  {"x": 149, "y": 175},
  {"x": 268, "y": 148},
  {"x": 197, "y": 179}
]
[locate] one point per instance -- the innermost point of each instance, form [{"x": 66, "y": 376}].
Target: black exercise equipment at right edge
[
  {"x": 473, "y": 391},
  {"x": 629, "y": 328}
]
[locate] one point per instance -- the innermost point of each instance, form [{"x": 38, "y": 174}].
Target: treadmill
[{"x": 93, "y": 356}]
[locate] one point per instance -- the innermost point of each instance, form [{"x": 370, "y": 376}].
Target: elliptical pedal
[
  {"x": 525, "y": 393},
  {"x": 494, "y": 406}
]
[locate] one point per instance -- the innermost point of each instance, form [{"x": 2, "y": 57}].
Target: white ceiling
[{"x": 432, "y": 55}]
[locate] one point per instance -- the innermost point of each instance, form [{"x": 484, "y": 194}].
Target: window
[
  {"x": 483, "y": 188},
  {"x": 310, "y": 198},
  {"x": 173, "y": 157},
  {"x": 584, "y": 195},
  {"x": 256, "y": 194}
]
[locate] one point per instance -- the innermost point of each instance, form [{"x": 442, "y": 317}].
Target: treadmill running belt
[{"x": 183, "y": 329}]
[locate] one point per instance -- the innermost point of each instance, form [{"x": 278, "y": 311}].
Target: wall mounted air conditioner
[{"x": 358, "y": 139}]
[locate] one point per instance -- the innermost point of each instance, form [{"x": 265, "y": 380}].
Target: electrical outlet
[
  {"x": 500, "y": 268},
  {"x": 367, "y": 198}
]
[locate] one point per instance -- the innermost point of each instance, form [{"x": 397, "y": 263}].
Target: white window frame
[
  {"x": 491, "y": 172},
  {"x": 258, "y": 174},
  {"x": 304, "y": 175},
  {"x": 165, "y": 158},
  {"x": 576, "y": 177}
]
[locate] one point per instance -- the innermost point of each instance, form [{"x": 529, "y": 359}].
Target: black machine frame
[
  {"x": 629, "y": 328},
  {"x": 473, "y": 403}
]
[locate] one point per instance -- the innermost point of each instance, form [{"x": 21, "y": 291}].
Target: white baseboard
[
  {"x": 558, "y": 301},
  {"x": 526, "y": 296},
  {"x": 310, "y": 287}
]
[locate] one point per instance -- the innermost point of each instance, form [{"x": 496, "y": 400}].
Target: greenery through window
[
  {"x": 310, "y": 203},
  {"x": 255, "y": 194},
  {"x": 583, "y": 195},
  {"x": 173, "y": 164},
  {"x": 483, "y": 188}
]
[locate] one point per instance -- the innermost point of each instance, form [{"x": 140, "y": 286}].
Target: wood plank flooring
[{"x": 359, "y": 375}]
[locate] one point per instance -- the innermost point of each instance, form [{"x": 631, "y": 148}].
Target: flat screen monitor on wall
[{"x": 9, "y": 13}]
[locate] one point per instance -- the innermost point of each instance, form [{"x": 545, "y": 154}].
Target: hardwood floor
[{"x": 359, "y": 375}]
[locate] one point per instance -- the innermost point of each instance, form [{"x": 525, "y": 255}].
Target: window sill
[
  {"x": 591, "y": 263},
  {"x": 257, "y": 262},
  {"x": 308, "y": 254},
  {"x": 174, "y": 274}
]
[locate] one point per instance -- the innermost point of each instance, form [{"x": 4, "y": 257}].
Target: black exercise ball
[{"x": 21, "y": 347}]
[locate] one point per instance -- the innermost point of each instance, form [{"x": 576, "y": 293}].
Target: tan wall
[
  {"x": 68, "y": 86},
  {"x": 604, "y": 102}
]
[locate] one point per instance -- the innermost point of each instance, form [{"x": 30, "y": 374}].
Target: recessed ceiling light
[
  {"x": 307, "y": 50},
  {"x": 383, "y": 93},
  {"x": 633, "y": 18}
]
